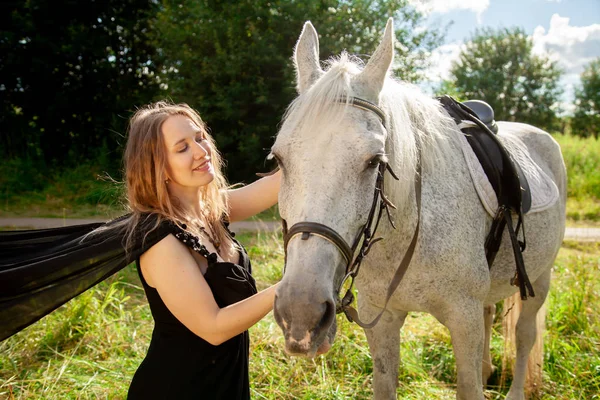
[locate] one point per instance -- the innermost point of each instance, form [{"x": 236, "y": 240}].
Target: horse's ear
[
  {"x": 306, "y": 58},
  {"x": 373, "y": 76}
]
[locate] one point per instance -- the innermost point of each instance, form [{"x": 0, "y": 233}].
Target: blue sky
[{"x": 566, "y": 30}]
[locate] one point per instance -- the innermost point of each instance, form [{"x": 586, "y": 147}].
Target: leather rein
[{"x": 366, "y": 235}]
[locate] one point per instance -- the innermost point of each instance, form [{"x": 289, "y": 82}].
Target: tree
[
  {"x": 498, "y": 66},
  {"x": 70, "y": 71},
  {"x": 232, "y": 60},
  {"x": 447, "y": 87},
  {"x": 586, "y": 119}
]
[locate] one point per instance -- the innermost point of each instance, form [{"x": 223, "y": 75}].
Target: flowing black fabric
[{"x": 42, "y": 269}]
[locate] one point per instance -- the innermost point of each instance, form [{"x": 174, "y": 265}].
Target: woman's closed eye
[{"x": 198, "y": 139}]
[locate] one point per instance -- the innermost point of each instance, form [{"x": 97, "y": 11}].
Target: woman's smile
[{"x": 205, "y": 166}]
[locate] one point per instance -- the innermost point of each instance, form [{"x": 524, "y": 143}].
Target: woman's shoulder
[
  {"x": 147, "y": 229},
  {"x": 147, "y": 222},
  {"x": 157, "y": 227}
]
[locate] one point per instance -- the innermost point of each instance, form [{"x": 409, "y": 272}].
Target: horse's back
[{"x": 542, "y": 148}]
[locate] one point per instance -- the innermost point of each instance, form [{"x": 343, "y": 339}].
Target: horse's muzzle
[{"x": 306, "y": 319}]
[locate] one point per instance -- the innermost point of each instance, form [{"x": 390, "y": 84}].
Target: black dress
[{"x": 181, "y": 365}]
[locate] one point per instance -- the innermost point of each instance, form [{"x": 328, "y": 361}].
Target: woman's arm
[
  {"x": 254, "y": 198},
  {"x": 171, "y": 269}
]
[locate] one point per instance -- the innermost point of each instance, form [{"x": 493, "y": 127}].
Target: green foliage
[
  {"x": 571, "y": 351},
  {"x": 19, "y": 175},
  {"x": 232, "y": 61},
  {"x": 449, "y": 88},
  {"x": 70, "y": 73},
  {"x": 30, "y": 189},
  {"x": 586, "y": 121},
  {"x": 498, "y": 66},
  {"x": 91, "y": 347},
  {"x": 582, "y": 160}
]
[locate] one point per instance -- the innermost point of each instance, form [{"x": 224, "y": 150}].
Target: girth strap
[{"x": 520, "y": 279}]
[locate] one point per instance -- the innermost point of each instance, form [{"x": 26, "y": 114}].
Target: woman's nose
[{"x": 201, "y": 150}]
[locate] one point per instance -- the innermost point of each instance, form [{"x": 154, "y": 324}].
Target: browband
[{"x": 365, "y": 105}]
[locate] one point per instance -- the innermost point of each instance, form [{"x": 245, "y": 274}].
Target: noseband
[{"x": 365, "y": 236}]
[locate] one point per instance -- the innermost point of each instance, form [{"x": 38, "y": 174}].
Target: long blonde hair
[{"x": 145, "y": 175}]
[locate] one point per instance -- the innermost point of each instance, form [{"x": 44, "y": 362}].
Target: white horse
[{"x": 328, "y": 150}]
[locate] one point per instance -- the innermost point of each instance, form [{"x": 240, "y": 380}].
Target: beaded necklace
[{"x": 215, "y": 242}]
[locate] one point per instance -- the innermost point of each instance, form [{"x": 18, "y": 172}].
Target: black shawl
[{"x": 42, "y": 269}]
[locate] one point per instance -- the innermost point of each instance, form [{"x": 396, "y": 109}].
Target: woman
[{"x": 197, "y": 277}]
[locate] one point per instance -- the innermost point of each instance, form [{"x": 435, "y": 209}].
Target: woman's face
[{"x": 188, "y": 153}]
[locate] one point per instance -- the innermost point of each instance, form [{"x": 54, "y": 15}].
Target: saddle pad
[{"x": 544, "y": 192}]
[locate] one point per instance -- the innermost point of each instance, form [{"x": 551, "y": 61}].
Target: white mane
[
  {"x": 414, "y": 120},
  {"x": 313, "y": 108}
]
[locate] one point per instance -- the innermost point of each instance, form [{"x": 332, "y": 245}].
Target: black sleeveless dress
[{"x": 180, "y": 365}]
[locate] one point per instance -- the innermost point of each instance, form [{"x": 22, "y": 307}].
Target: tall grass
[
  {"x": 582, "y": 159},
  {"x": 91, "y": 347}
]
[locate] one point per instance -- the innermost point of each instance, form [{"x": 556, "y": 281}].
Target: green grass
[
  {"x": 83, "y": 192},
  {"x": 270, "y": 214},
  {"x": 91, "y": 347},
  {"x": 582, "y": 159}
]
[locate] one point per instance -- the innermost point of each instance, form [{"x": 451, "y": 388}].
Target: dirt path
[
  {"x": 578, "y": 234},
  {"x": 43, "y": 223}
]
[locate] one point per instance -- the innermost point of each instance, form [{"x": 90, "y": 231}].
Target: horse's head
[{"x": 329, "y": 152}]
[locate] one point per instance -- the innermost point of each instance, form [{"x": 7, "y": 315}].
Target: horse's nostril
[{"x": 327, "y": 317}]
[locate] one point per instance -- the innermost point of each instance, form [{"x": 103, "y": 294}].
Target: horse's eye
[
  {"x": 272, "y": 156},
  {"x": 375, "y": 161}
]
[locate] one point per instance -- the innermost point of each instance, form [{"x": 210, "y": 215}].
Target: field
[
  {"x": 582, "y": 159},
  {"x": 87, "y": 191},
  {"x": 91, "y": 347}
]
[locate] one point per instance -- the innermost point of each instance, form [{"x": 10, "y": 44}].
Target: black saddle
[
  {"x": 484, "y": 112},
  {"x": 495, "y": 160},
  {"x": 506, "y": 177}
]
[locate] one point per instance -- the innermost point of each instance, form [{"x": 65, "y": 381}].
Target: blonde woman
[{"x": 197, "y": 278}]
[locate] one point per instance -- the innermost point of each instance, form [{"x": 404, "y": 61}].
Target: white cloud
[
  {"x": 572, "y": 46},
  {"x": 443, "y": 6},
  {"x": 441, "y": 60}
]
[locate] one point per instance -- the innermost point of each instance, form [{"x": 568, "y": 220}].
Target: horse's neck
[{"x": 434, "y": 173}]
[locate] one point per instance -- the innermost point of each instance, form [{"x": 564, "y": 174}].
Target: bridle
[{"x": 366, "y": 235}]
